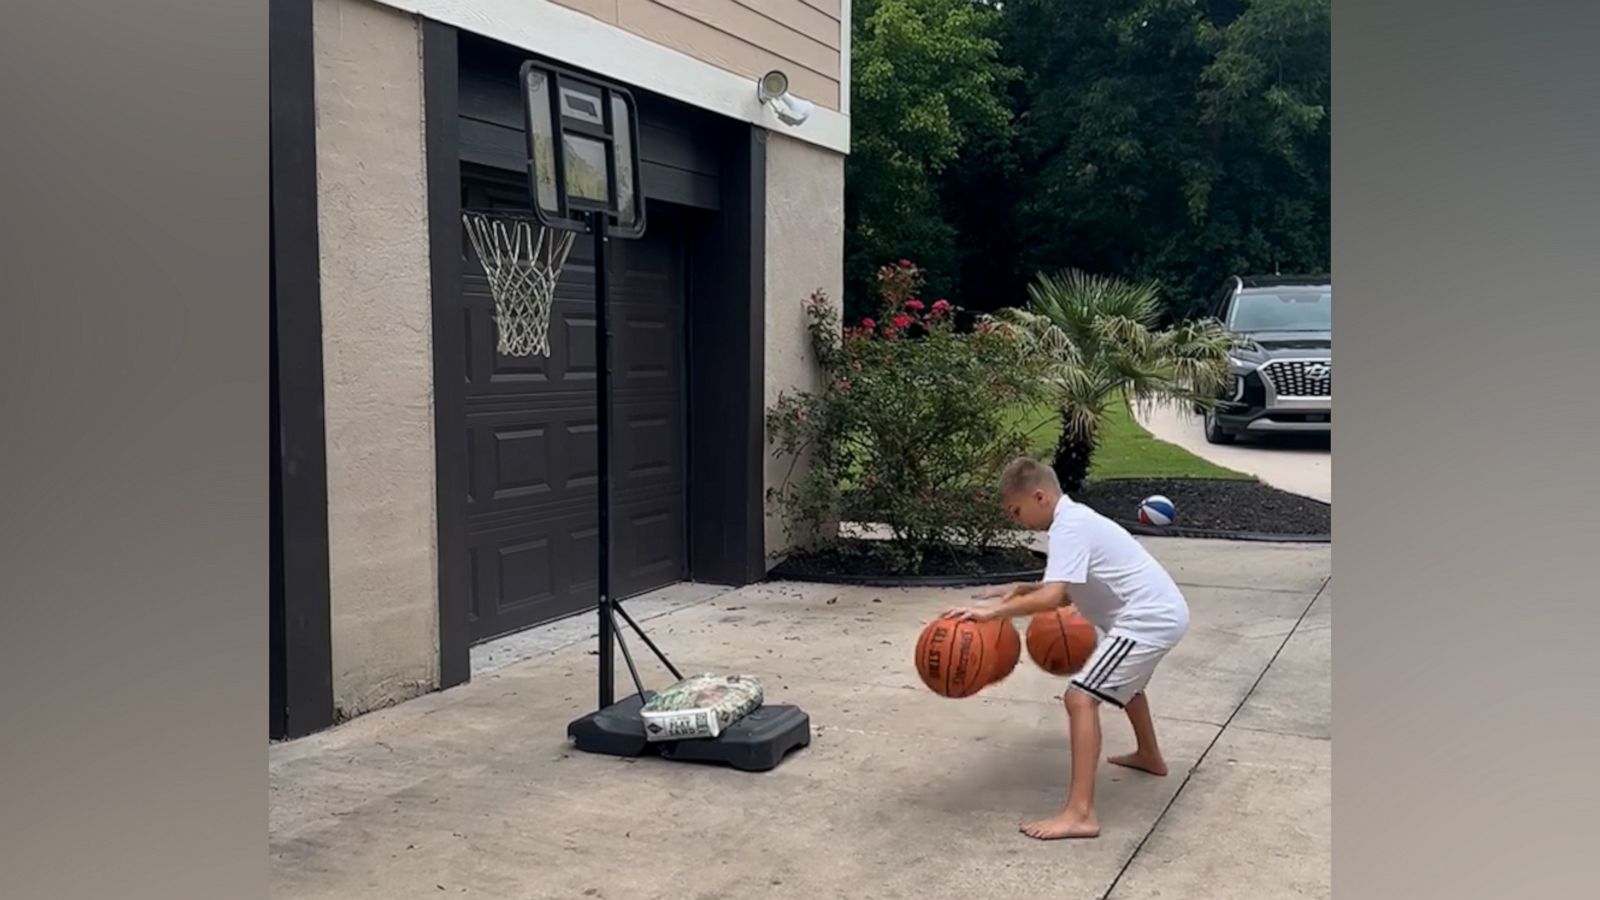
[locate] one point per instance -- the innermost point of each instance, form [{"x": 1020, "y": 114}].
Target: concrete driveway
[
  {"x": 475, "y": 792},
  {"x": 1300, "y": 464}
]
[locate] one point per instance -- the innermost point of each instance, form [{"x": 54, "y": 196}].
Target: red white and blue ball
[{"x": 1157, "y": 510}]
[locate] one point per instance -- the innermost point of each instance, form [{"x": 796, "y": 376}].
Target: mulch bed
[
  {"x": 853, "y": 562},
  {"x": 1209, "y": 507},
  {"x": 1206, "y": 507}
]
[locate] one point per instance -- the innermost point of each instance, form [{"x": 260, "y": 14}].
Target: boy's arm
[
  {"x": 1023, "y": 600},
  {"x": 1005, "y": 591},
  {"x": 1067, "y": 561}
]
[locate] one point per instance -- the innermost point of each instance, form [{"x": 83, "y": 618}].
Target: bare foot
[
  {"x": 1065, "y": 824},
  {"x": 1155, "y": 765}
]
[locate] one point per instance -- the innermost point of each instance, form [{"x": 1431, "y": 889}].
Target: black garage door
[{"x": 531, "y": 484}]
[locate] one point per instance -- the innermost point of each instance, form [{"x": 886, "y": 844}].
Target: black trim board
[
  {"x": 440, "y": 92},
  {"x": 727, "y": 333},
  {"x": 778, "y": 573},
  {"x": 302, "y": 630},
  {"x": 277, "y": 642}
]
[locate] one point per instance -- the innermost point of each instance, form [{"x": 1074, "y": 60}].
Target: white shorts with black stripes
[{"x": 1119, "y": 669}]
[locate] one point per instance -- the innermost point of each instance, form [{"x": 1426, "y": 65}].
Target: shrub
[{"x": 911, "y": 428}]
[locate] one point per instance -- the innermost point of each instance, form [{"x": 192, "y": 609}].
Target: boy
[{"x": 1095, "y": 566}]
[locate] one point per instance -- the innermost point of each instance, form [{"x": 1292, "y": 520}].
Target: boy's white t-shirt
[{"x": 1113, "y": 581}]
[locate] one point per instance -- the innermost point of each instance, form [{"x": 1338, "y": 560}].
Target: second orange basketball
[
  {"x": 1005, "y": 649},
  {"x": 1060, "y": 641}
]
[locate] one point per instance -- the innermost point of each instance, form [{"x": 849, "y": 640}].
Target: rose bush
[{"x": 910, "y": 429}]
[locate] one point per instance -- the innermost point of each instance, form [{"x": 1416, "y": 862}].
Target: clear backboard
[{"x": 583, "y": 151}]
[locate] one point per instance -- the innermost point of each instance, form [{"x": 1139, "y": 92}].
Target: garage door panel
[
  {"x": 570, "y": 365},
  {"x": 647, "y": 445},
  {"x": 649, "y": 538},
  {"x": 651, "y": 267},
  {"x": 649, "y": 350},
  {"x": 531, "y": 572},
  {"x": 530, "y": 456},
  {"x": 532, "y": 488},
  {"x": 550, "y": 455}
]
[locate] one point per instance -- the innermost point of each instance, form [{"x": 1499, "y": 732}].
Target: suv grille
[{"x": 1300, "y": 378}]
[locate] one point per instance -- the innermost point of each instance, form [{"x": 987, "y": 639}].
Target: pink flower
[
  {"x": 915, "y": 305},
  {"x": 842, "y": 384},
  {"x": 869, "y": 323},
  {"x": 941, "y": 306},
  {"x": 905, "y": 263},
  {"x": 902, "y": 321}
]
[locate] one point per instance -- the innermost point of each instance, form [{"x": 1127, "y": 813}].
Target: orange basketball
[
  {"x": 1006, "y": 647},
  {"x": 1060, "y": 641},
  {"x": 954, "y": 658}
]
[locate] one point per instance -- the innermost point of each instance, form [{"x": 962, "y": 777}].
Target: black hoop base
[{"x": 756, "y": 743}]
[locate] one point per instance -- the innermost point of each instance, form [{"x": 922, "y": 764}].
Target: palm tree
[{"x": 1101, "y": 334}]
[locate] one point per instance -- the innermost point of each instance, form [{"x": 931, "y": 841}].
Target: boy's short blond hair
[{"x": 1024, "y": 476}]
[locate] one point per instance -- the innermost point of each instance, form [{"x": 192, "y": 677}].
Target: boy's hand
[{"x": 972, "y": 613}]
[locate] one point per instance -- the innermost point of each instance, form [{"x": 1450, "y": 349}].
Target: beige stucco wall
[
  {"x": 805, "y": 252},
  {"x": 377, "y": 354},
  {"x": 748, "y": 37}
]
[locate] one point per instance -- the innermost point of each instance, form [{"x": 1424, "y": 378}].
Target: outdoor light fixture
[{"x": 773, "y": 88}]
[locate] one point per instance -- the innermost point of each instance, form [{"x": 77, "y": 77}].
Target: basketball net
[{"x": 522, "y": 259}]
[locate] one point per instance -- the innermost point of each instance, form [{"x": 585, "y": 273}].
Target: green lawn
[{"x": 1126, "y": 450}]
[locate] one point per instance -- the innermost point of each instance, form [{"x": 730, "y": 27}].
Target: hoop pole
[{"x": 597, "y": 226}]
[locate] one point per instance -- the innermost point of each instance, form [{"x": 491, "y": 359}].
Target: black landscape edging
[
  {"x": 908, "y": 581},
  {"x": 1178, "y": 531}
]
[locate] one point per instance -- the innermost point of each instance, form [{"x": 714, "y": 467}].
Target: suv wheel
[{"x": 1214, "y": 432}]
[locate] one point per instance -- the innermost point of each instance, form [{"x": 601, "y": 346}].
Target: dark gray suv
[{"x": 1282, "y": 357}]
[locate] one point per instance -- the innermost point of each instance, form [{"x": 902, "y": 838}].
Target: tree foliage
[
  {"x": 1179, "y": 141},
  {"x": 926, "y": 78}
]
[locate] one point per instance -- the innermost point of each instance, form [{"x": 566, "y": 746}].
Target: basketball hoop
[
  {"x": 584, "y": 175},
  {"x": 522, "y": 259}
]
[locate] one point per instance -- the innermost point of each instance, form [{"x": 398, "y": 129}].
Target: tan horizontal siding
[
  {"x": 737, "y": 20},
  {"x": 750, "y": 37},
  {"x": 792, "y": 15},
  {"x": 604, "y": 10},
  {"x": 831, "y": 7}
]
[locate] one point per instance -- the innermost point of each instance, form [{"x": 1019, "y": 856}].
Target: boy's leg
[
  {"x": 1147, "y": 757},
  {"x": 1076, "y": 819},
  {"x": 1115, "y": 673},
  {"x": 1118, "y": 676}
]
